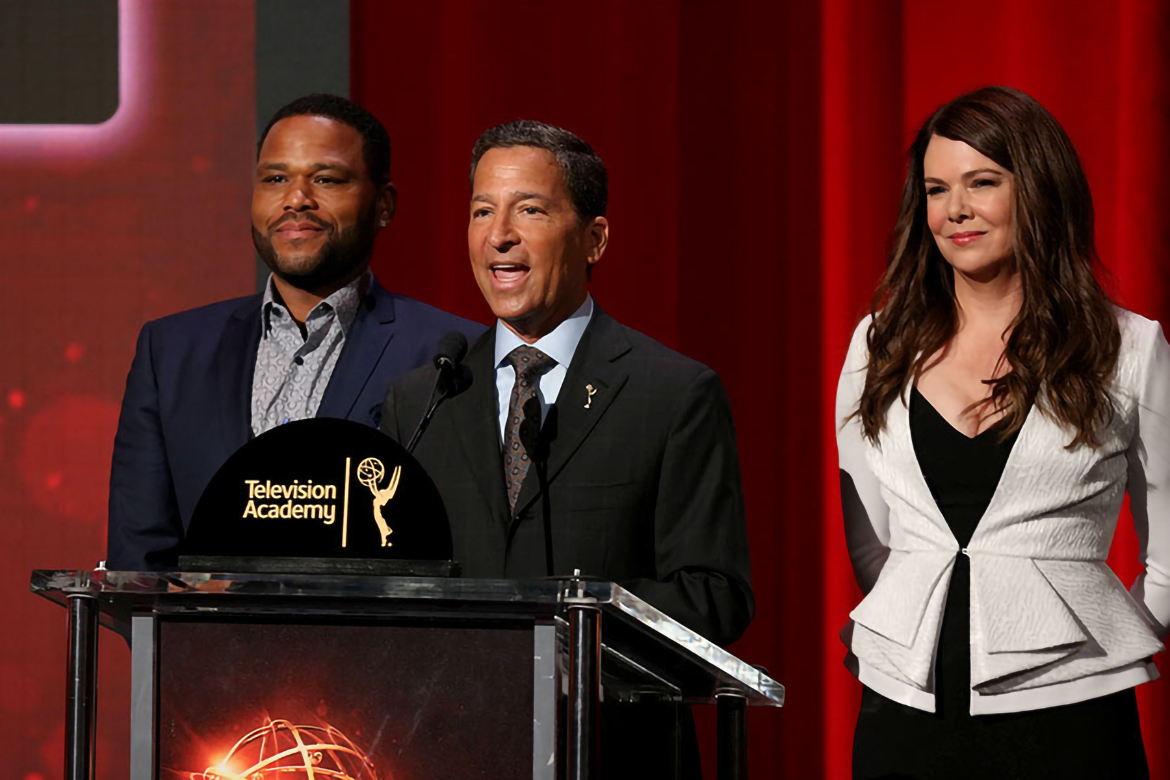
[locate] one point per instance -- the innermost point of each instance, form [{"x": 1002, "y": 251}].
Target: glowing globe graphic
[
  {"x": 281, "y": 750},
  {"x": 370, "y": 472}
]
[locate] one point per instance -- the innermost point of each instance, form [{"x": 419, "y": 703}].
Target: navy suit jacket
[{"x": 188, "y": 407}]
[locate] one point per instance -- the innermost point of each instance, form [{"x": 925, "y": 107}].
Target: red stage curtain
[{"x": 756, "y": 153}]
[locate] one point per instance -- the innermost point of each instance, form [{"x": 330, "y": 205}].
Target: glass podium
[{"x": 265, "y": 676}]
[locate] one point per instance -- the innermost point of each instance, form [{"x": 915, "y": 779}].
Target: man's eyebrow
[
  {"x": 485, "y": 198},
  {"x": 531, "y": 196},
  {"x": 314, "y": 168}
]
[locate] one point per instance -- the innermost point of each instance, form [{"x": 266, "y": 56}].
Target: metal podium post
[
  {"x": 584, "y": 683},
  {"x": 81, "y": 688},
  {"x": 732, "y": 716}
]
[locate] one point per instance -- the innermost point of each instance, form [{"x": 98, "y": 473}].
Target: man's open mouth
[{"x": 509, "y": 272}]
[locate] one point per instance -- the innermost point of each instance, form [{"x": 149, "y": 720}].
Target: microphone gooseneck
[{"x": 451, "y": 378}]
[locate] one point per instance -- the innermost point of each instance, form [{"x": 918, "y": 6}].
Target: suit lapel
[
  {"x": 576, "y": 414},
  {"x": 1038, "y": 435},
  {"x": 366, "y": 342},
  {"x": 235, "y": 363},
  {"x": 476, "y": 423}
]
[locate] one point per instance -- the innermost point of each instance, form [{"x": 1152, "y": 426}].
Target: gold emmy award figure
[{"x": 370, "y": 472}]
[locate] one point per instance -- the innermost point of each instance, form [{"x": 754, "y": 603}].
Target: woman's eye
[{"x": 934, "y": 190}]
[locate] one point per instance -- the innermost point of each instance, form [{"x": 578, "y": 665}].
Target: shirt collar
[
  {"x": 344, "y": 302},
  {"x": 560, "y": 344}
]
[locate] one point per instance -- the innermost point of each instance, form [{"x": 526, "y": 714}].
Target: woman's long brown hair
[{"x": 1063, "y": 345}]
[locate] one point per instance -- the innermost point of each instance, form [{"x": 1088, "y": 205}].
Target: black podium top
[{"x": 641, "y": 645}]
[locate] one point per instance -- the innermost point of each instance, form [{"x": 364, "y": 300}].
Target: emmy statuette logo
[
  {"x": 370, "y": 472},
  {"x": 294, "y": 492}
]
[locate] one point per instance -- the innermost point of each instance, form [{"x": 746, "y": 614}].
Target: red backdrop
[{"x": 755, "y": 154}]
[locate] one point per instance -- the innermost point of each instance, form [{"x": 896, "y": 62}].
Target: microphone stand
[
  {"x": 432, "y": 405},
  {"x": 448, "y": 363}
]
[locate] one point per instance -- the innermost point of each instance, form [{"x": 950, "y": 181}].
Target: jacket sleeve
[
  {"x": 867, "y": 526},
  {"x": 702, "y": 567},
  {"x": 144, "y": 526},
  {"x": 1149, "y": 485}
]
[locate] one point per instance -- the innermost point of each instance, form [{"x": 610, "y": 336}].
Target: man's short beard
[{"x": 338, "y": 258}]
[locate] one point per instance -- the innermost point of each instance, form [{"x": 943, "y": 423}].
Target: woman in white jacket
[{"x": 992, "y": 412}]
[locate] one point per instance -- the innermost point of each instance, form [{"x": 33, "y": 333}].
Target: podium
[{"x": 260, "y": 676}]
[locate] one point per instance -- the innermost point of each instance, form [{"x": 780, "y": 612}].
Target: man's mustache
[{"x": 294, "y": 217}]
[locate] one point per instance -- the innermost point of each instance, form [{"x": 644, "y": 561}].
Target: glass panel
[{"x": 647, "y": 651}]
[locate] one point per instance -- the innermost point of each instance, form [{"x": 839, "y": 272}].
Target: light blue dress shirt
[{"x": 560, "y": 345}]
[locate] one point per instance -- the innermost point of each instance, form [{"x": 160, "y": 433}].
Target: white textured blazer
[{"x": 1050, "y": 622}]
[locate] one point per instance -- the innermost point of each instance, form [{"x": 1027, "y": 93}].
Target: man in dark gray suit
[{"x": 581, "y": 444}]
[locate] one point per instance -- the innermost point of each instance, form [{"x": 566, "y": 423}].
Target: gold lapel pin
[{"x": 591, "y": 390}]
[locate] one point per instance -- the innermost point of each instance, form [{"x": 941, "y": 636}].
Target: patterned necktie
[{"x": 523, "y": 424}]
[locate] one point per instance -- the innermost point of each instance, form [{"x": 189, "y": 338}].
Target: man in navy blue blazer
[{"x": 323, "y": 339}]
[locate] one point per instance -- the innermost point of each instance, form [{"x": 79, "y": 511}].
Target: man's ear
[
  {"x": 386, "y": 203},
  {"x": 597, "y": 239}
]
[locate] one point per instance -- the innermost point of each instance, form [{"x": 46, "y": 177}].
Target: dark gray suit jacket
[{"x": 643, "y": 487}]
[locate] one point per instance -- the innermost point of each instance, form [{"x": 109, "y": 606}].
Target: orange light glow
[{"x": 293, "y": 751}]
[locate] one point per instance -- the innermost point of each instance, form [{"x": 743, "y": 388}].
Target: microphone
[
  {"x": 450, "y": 350},
  {"x": 451, "y": 378}
]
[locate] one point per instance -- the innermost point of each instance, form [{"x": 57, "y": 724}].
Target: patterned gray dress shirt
[{"x": 293, "y": 369}]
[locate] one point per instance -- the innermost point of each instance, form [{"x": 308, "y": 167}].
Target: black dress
[{"x": 1098, "y": 738}]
